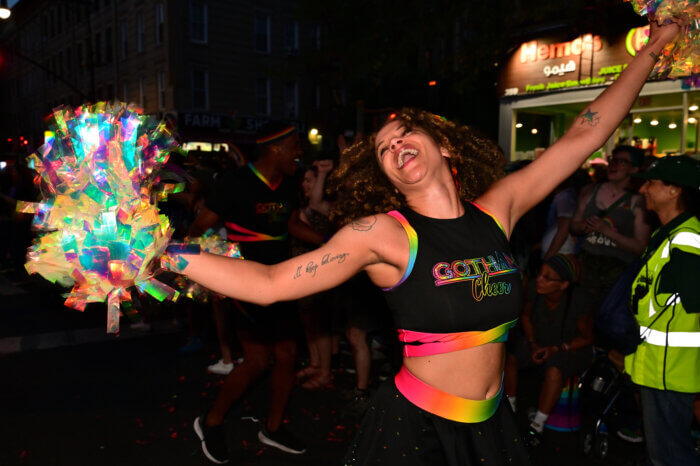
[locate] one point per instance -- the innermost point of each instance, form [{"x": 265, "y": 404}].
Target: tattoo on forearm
[
  {"x": 655, "y": 56},
  {"x": 364, "y": 224},
  {"x": 312, "y": 267},
  {"x": 590, "y": 118}
]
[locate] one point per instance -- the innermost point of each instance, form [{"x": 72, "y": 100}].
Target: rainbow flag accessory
[
  {"x": 249, "y": 235},
  {"x": 427, "y": 344},
  {"x": 272, "y": 186},
  {"x": 412, "y": 245},
  {"x": 276, "y": 136},
  {"x": 444, "y": 404}
]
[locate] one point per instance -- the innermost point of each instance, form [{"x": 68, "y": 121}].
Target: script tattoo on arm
[
  {"x": 364, "y": 224},
  {"x": 311, "y": 267},
  {"x": 590, "y": 118}
]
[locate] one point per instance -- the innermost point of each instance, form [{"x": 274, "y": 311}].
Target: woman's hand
[
  {"x": 598, "y": 225},
  {"x": 324, "y": 166},
  {"x": 664, "y": 33}
]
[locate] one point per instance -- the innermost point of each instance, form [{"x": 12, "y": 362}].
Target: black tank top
[{"x": 461, "y": 275}]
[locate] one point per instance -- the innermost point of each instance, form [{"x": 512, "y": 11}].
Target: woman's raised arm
[{"x": 511, "y": 197}]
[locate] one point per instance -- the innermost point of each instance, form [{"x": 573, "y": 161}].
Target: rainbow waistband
[
  {"x": 427, "y": 344},
  {"x": 444, "y": 404}
]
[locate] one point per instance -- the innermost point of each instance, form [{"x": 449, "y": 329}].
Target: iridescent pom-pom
[
  {"x": 98, "y": 226},
  {"x": 212, "y": 243},
  {"x": 682, "y": 57}
]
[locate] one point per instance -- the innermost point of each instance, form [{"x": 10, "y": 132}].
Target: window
[
  {"x": 142, "y": 92},
  {"x": 317, "y": 96},
  {"x": 262, "y": 96},
  {"x": 262, "y": 33},
  {"x": 291, "y": 99},
  {"x": 316, "y": 37},
  {"x": 125, "y": 91},
  {"x": 108, "y": 45},
  {"x": 200, "y": 89},
  {"x": 124, "y": 43},
  {"x": 139, "y": 32},
  {"x": 198, "y": 22},
  {"x": 97, "y": 52},
  {"x": 291, "y": 37},
  {"x": 160, "y": 23},
  {"x": 160, "y": 78}
]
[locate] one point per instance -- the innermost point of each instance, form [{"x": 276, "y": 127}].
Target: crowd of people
[{"x": 421, "y": 211}]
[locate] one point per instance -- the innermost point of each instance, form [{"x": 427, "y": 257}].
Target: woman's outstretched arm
[
  {"x": 367, "y": 243},
  {"x": 511, "y": 197}
]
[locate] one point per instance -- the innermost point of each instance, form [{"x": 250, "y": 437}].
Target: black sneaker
[
  {"x": 213, "y": 441},
  {"x": 359, "y": 403},
  {"x": 533, "y": 438},
  {"x": 281, "y": 439}
]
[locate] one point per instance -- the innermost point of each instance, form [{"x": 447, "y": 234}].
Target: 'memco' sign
[
  {"x": 534, "y": 51},
  {"x": 546, "y": 65}
]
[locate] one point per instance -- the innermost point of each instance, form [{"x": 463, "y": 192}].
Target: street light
[{"x": 4, "y": 10}]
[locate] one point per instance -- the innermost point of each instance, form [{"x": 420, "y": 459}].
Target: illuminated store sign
[{"x": 546, "y": 65}]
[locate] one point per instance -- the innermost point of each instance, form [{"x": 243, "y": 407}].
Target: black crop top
[{"x": 461, "y": 276}]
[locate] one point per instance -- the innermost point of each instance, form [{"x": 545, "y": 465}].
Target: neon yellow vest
[{"x": 669, "y": 356}]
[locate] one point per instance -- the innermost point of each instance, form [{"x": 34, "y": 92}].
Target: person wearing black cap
[
  {"x": 666, "y": 303},
  {"x": 255, "y": 203},
  {"x": 558, "y": 327}
]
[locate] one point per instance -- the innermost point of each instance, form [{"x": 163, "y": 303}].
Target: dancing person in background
[
  {"x": 255, "y": 203},
  {"x": 315, "y": 310},
  {"x": 445, "y": 266}
]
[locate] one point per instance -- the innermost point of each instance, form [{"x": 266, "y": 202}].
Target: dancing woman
[{"x": 445, "y": 266}]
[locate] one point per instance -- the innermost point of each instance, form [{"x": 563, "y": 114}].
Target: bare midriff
[{"x": 473, "y": 373}]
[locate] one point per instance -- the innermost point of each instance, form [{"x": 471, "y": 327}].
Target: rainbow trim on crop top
[{"x": 412, "y": 246}]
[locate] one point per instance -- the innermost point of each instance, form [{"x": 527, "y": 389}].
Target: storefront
[{"x": 547, "y": 83}]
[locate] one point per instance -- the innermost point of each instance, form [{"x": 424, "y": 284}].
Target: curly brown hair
[{"x": 361, "y": 188}]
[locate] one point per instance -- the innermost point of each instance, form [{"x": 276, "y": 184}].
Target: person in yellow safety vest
[{"x": 666, "y": 299}]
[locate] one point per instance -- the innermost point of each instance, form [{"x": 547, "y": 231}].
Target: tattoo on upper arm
[
  {"x": 591, "y": 118},
  {"x": 655, "y": 56},
  {"x": 364, "y": 224},
  {"x": 311, "y": 267}
]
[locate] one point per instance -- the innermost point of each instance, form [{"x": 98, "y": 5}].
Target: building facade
[{"x": 217, "y": 70}]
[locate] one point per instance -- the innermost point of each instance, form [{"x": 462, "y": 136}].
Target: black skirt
[{"x": 395, "y": 431}]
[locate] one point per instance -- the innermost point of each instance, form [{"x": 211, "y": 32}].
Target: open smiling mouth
[{"x": 405, "y": 155}]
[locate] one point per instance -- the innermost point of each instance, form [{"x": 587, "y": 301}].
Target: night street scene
[{"x": 304, "y": 232}]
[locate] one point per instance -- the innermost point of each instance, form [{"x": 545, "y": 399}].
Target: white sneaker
[{"x": 222, "y": 368}]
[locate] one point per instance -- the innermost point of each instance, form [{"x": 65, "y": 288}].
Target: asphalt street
[{"x": 73, "y": 395}]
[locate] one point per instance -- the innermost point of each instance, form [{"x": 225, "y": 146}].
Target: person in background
[
  {"x": 666, "y": 302},
  {"x": 611, "y": 218},
  {"x": 558, "y": 335},
  {"x": 557, "y": 237},
  {"x": 255, "y": 203},
  {"x": 315, "y": 310}
]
